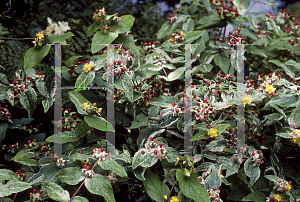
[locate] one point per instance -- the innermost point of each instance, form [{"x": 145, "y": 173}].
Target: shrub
[{"x": 155, "y": 112}]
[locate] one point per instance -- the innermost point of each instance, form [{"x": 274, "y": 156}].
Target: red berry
[
  {"x": 101, "y": 52},
  {"x": 92, "y": 130},
  {"x": 143, "y": 152},
  {"x": 54, "y": 160}
]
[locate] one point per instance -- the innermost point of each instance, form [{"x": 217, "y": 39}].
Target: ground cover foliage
[{"x": 150, "y": 99}]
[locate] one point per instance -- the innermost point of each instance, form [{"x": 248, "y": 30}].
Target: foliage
[{"x": 151, "y": 103}]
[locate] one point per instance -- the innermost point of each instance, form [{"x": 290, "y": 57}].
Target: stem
[
  {"x": 8, "y": 11},
  {"x": 81, "y": 185},
  {"x": 60, "y": 58},
  {"x": 251, "y": 7},
  {"x": 77, "y": 190},
  {"x": 43, "y": 95},
  {"x": 16, "y": 38},
  {"x": 4, "y": 198},
  {"x": 36, "y": 160},
  {"x": 15, "y": 197},
  {"x": 171, "y": 190}
]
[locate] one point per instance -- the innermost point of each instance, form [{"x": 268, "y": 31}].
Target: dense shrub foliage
[{"x": 151, "y": 101}]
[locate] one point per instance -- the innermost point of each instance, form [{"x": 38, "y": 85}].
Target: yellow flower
[
  {"x": 175, "y": 199},
  {"x": 212, "y": 133},
  {"x": 86, "y": 105},
  {"x": 269, "y": 88},
  {"x": 35, "y": 42},
  {"x": 277, "y": 197},
  {"x": 247, "y": 99},
  {"x": 288, "y": 187},
  {"x": 39, "y": 35},
  {"x": 87, "y": 67}
]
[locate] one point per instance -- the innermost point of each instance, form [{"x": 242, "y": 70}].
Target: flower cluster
[
  {"x": 13, "y": 148},
  {"x": 235, "y": 37},
  {"x": 274, "y": 198},
  {"x": 112, "y": 176},
  {"x": 159, "y": 62},
  {"x": 270, "y": 17},
  {"x": 203, "y": 109},
  {"x": 157, "y": 149},
  {"x": 256, "y": 156},
  {"x": 124, "y": 52},
  {"x": 89, "y": 66},
  {"x": 41, "y": 38},
  {"x": 57, "y": 29},
  {"x": 295, "y": 136},
  {"x": 5, "y": 114},
  {"x": 92, "y": 108},
  {"x": 120, "y": 68},
  {"x": 261, "y": 35},
  {"x": 214, "y": 195},
  {"x": 205, "y": 174},
  {"x": 213, "y": 132},
  {"x": 231, "y": 139},
  {"x": 60, "y": 162},
  {"x": 176, "y": 37},
  {"x": 87, "y": 171},
  {"x": 39, "y": 76},
  {"x": 99, "y": 15},
  {"x": 268, "y": 81},
  {"x": 36, "y": 196},
  {"x": 223, "y": 11},
  {"x": 100, "y": 154},
  {"x": 20, "y": 175},
  {"x": 30, "y": 129},
  {"x": 149, "y": 45},
  {"x": 18, "y": 87},
  {"x": 283, "y": 185},
  {"x": 172, "y": 18},
  {"x": 69, "y": 120}
]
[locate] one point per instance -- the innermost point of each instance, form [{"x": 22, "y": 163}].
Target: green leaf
[
  {"x": 100, "y": 185},
  {"x": 222, "y": 62},
  {"x": 274, "y": 116},
  {"x": 92, "y": 29},
  {"x": 143, "y": 160},
  {"x": 55, "y": 192},
  {"x": 13, "y": 186},
  {"x": 35, "y": 55},
  {"x": 85, "y": 79},
  {"x": 252, "y": 22},
  {"x": 78, "y": 100},
  {"x": 214, "y": 179},
  {"x": 287, "y": 70},
  {"x": 125, "y": 83},
  {"x": 272, "y": 26},
  {"x": 82, "y": 129},
  {"x": 63, "y": 137},
  {"x": 47, "y": 103},
  {"x": 191, "y": 187},
  {"x": 188, "y": 25},
  {"x": 98, "y": 123},
  {"x": 155, "y": 188},
  {"x": 253, "y": 172},
  {"x": 292, "y": 63},
  {"x": 41, "y": 86},
  {"x": 285, "y": 132},
  {"x": 221, "y": 128},
  {"x": 25, "y": 103},
  {"x": 7, "y": 175},
  {"x": 202, "y": 134},
  {"x": 191, "y": 36},
  {"x": 59, "y": 38},
  {"x": 139, "y": 173},
  {"x": 205, "y": 67},
  {"x": 70, "y": 175},
  {"x": 177, "y": 74},
  {"x": 3, "y": 128},
  {"x": 101, "y": 38},
  {"x": 126, "y": 24},
  {"x": 262, "y": 41},
  {"x": 72, "y": 60},
  {"x": 166, "y": 29},
  {"x": 255, "y": 196},
  {"x": 246, "y": 32},
  {"x": 114, "y": 166},
  {"x": 79, "y": 199},
  {"x": 241, "y": 5},
  {"x": 139, "y": 121}
]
